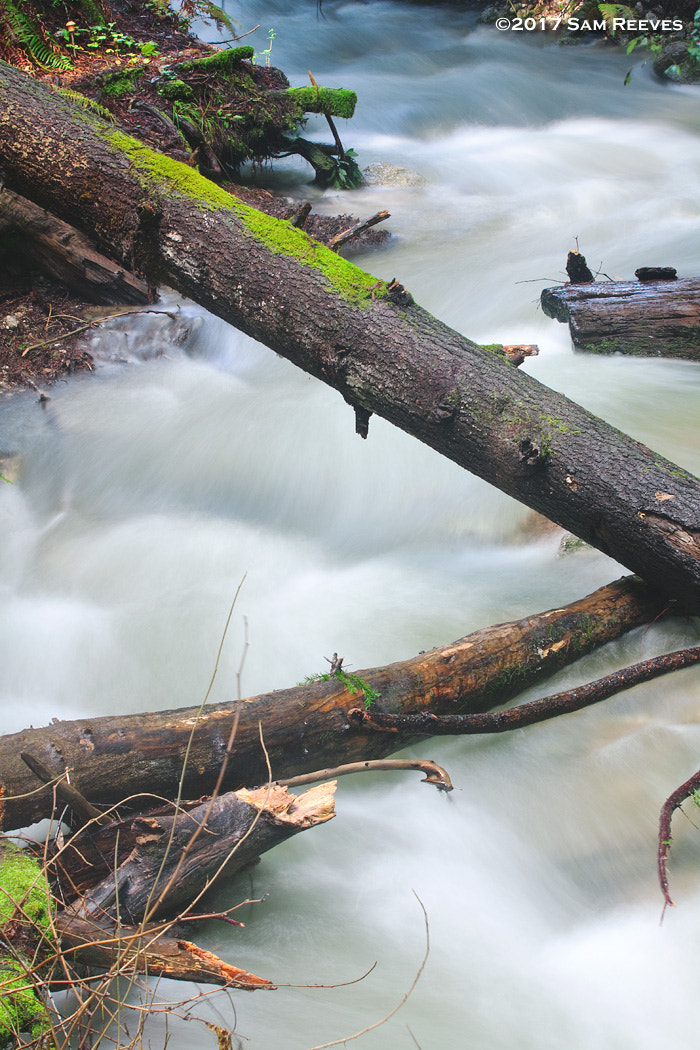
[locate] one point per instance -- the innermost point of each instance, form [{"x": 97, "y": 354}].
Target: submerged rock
[{"x": 384, "y": 174}]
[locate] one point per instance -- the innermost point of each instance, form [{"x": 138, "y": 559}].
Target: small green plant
[
  {"x": 26, "y": 28},
  {"x": 353, "y": 682},
  {"x": 266, "y": 54},
  {"x": 347, "y": 175}
]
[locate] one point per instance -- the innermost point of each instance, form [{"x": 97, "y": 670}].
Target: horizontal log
[
  {"x": 645, "y": 318},
  {"x": 306, "y": 727}
]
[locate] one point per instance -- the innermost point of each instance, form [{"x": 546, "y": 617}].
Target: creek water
[{"x": 146, "y": 492}]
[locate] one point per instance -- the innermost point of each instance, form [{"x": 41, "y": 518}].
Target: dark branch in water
[
  {"x": 674, "y": 800},
  {"x": 527, "y": 714}
]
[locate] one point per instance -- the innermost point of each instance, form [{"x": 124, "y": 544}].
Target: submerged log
[
  {"x": 648, "y": 318},
  {"x": 362, "y": 336},
  {"x": 305, "y": 728}
]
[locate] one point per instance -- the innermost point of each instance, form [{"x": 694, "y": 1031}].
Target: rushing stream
[{"x": 148, "y": 491}]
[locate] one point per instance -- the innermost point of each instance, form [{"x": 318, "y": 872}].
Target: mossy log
[
  {"x": 644, "y": 318},
  {"x": 363, "y": 336},
  {"x": 334, "y": 102},
  {"x": 306, "y": 727}
]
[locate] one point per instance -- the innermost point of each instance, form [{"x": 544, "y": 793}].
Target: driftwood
[
  {"x": 306, "y": 727},
  {"x": 347, "y": 235},
  {"x": 649, "y": 318},
  {"x": 60, "y": 250},
  {"x": 167, "y": 859},
  {"x": 145, "y": 949},
  {"x": 366, "y": 338}
]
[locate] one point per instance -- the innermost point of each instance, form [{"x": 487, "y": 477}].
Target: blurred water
[{"x": 146, "y": 492}]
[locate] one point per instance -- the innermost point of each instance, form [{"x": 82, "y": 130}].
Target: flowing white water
[{"x": 145, "y": 494}]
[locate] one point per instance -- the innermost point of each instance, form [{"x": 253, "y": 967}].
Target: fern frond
[
  {"x": 86, "y": 103},
  {"x": 30, "y": 35}
]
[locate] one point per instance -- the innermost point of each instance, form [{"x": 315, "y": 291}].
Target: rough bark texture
[
  {"x": 368, "y": 340},
  {"x": 646, "y": 318},
  {"x": 61, "y": 251},
  {"x": 167, "y": 861},
  {"x": 306, "y": 727}
]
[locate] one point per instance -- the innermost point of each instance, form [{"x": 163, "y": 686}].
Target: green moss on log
[
  {"x": 336, "y": 102},
  {"x": 161, "y": 175},
  {"x": 220, "y": 62}
]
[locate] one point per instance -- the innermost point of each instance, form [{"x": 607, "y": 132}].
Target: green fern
[
  {"x": 30, "y": 35},
  {"x": 86, "y": 103},
  {"x": 353, "y": 682},
  {"x": 205, "y": 9}
]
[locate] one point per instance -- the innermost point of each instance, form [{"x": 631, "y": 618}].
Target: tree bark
[
  {"x": 61, "y": 251},
  {"x": 306, "y": 727},
  {"x": 166, "y": 860},
  {"x": 364, "y": 337},
  {"x": 645, "y": 318},
  {"x": 88, "y": 942}
]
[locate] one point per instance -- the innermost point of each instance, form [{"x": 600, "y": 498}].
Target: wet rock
[
  {"x": 676, "y": 63},
  {"x": 384, "y": 174}
]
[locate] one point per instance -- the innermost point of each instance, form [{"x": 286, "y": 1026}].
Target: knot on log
[
  {"x": 531, "y": 455},
  {"x": 396, "y": 293},
  {"x": 656, "y": 273},
  {"x": 446, "y": 407},
  {"x": 362, "y": 418}
]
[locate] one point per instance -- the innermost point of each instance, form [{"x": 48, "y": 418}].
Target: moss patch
[
  {"x": 24, "y": 919},
  {"x": 22, "y": 884},
  {"x": 163, "y": 175},
  {"x": 338, "y": 102},
  {"x": 220, "y": 62}
]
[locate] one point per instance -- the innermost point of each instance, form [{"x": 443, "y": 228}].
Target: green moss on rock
[{"x": 176, "y": 91}]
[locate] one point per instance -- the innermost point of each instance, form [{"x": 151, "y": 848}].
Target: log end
[{"x": 315, "y": 806}]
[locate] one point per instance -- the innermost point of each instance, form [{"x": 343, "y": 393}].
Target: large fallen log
[
  {"x": 646, "y": 318},
  {"x": 363, "y": 336},
  {"x": 306, "y": 727}
]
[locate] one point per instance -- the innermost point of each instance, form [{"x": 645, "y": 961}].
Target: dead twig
[
  {"x": 435, "y": 774},
  {"x": 377, "y": 1024}
]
